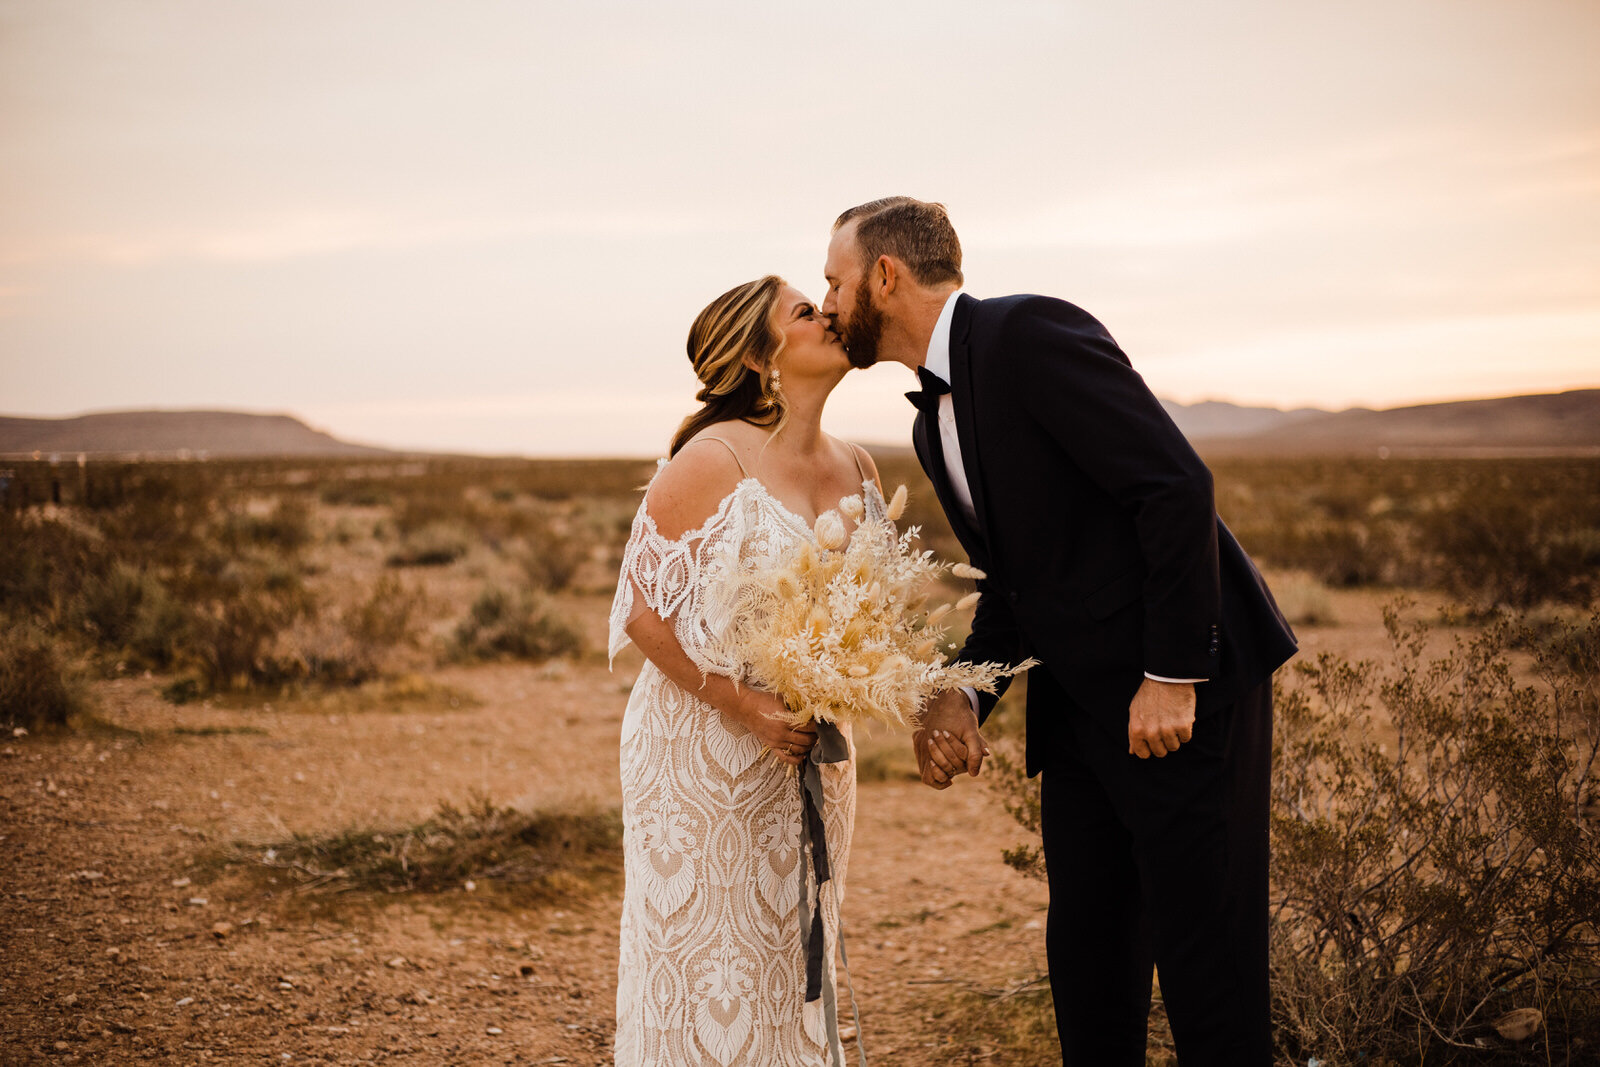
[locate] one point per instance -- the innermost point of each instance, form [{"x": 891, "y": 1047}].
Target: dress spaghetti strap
[
  {"x": 855, "y": 450},
  {"x": 735, "y": 453}
]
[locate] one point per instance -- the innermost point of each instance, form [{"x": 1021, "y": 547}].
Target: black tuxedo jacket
[{"x": 1096, "y": 526}]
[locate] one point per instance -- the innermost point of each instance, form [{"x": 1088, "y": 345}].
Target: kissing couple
[{"x": 1149, "y": 716}]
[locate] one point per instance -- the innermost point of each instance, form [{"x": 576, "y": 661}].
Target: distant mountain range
[
  {"x": 168, "y": 434},
  {"x": 1547, "y": 422},
  {"x": 1551, "y": 422}
]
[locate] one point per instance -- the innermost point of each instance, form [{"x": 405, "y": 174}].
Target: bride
[{"x": 713, "y": 961}]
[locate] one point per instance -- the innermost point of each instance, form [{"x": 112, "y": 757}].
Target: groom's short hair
[{"x": 915, "y": 232}]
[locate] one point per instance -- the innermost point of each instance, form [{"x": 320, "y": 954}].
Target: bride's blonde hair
[{"x": 737, "y": 328}]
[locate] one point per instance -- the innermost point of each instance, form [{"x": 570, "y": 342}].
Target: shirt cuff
[
  {"x": 972, "y": 695},
  {"x": 1175, "y": 681}
]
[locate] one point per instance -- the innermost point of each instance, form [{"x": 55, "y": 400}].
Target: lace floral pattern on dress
[{"x": 712, "y": 967}]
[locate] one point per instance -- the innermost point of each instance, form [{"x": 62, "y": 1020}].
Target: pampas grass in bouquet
[{"x": 839, "y": 628}]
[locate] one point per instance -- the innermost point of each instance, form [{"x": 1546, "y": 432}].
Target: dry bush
[
  {"x": 235, "y": 611},
  {"x": 1509, "y": 532},
  {"x": 552, "y": 555},
  {"x": 388, "y": 616},
  {"x": 1435, "y": 871},
  {"x": 1020, "y": 796},
  {"x": 357, "y": 493},
  {"x": 437, "y": 544},
  {"x": 131, "y": 617},
  {"x": 44, "y": 564},
  {"x": 287, "y": 528},
  {"x": 1434, "y": 867},
  {"x": 501, "y": 625},
  {"x": 352, "y": 647},
  {"x": 1506, "y": 548},
  {"x": 544, "y": 851},
  {"x": 39, "y": 686},
  {"x": 1303, "y": 600}
]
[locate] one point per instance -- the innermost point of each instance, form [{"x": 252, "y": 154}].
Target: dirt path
[{"x": 110, "y": 897}]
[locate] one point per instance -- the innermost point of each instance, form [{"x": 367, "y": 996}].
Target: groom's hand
[
  {"x": 947, "y": 740},
  {"x": 1160, "y": 718}
]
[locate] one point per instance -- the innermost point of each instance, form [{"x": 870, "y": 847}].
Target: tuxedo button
[{"x": 1013, "y": 596}]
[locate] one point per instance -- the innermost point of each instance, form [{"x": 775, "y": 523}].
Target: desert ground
[
  {"x": 158, "y": 902},
  {"x": 130, "y": 938}
]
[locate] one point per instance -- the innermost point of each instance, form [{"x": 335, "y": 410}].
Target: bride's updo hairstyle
[{"x": 737, "y": 325}]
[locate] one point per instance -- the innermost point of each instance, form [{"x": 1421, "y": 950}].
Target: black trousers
[{"x": 1160, "y": 864}]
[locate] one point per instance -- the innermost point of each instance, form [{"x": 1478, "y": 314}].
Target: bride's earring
[{"x": 776, "y": 379}]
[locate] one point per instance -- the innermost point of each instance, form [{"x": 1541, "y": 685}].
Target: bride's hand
[{"x": 766, "y": 716}]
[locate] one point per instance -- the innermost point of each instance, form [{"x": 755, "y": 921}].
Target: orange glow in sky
[{"x": 486, "y": 227}]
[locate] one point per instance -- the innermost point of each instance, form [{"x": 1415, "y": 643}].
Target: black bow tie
[{"x": 933, "y": 387}]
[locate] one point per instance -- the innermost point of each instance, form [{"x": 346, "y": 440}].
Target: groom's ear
[{"x": 886, "y": 275}]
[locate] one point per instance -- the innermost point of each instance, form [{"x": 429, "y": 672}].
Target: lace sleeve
[
  {"x": 678, "y": 580},
  {"x": 656, "y": 574}
]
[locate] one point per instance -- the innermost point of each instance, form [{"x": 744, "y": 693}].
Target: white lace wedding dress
[{"x": 712, "y": 967}]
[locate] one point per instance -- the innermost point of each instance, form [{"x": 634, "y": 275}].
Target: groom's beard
[{"x": 863, "y": 331}]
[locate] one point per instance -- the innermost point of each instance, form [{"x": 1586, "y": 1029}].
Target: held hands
[
  {"x": 768, "y": 718},
  {"x": 1160, "y": 718},
  {"x": 948, "y": 741}
]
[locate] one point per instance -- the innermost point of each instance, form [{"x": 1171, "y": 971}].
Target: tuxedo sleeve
[
  {"x": 1081, "y": 389},
  {"x": 994, "y": 639}
]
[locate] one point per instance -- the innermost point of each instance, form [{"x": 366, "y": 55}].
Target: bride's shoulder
[{"x": 692, "y": 485}]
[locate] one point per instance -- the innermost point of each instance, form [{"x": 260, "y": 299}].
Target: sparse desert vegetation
[{"x": 359, "y": 709}]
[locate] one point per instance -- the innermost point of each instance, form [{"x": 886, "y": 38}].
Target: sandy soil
[
  {"x": 111, "y": 891},
  {"x": 111, "y": 895}
]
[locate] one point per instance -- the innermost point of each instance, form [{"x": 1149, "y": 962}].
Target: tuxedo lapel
[{"x": 961, "y": 394}]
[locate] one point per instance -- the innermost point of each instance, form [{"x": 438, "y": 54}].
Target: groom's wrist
[{"x": 1174, "y": 681}]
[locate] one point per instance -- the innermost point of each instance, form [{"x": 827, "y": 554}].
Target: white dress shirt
[{"x": 937, "y": 363}]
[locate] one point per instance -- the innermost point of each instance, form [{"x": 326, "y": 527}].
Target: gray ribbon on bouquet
[{"x": 831, "y": 747}]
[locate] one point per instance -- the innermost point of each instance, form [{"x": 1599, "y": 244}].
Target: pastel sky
[{"x": 486, "y": 226}]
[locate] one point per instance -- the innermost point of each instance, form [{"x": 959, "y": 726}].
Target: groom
[{"x": 1150, "y": 716}]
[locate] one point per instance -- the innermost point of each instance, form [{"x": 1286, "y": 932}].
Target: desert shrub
[
  {"x": 501, "y": 625},
  {"x": 1303, "y": 600},
  {"x": 436, "y": 545},
  {"x": 1433, "y": 874},
  {"x": 1507, "y": 549},
  {"x": 440, "y": 507},
  {"x": 361, "y": 493},
  {"x": 287, "y": 528},
  {"x": 388, "y": 616},
  {"x": 236, "y": 613},
  {"x": 1019, "y": 794},
  {"x": 44, "y": 564},
  {"x": 547, "y": 852},
  {"x": 108, "y": 604},
  {"x": 160, "y": 630},
  {"x": 1435, "y": 867},
  {"x": 552, "y": 556},
  {"x": 159, "y": 514},
  {"x": 1510, "y": 531},
  {"x": 38, "y": 683},
  {"x": 349, "y": 649}
]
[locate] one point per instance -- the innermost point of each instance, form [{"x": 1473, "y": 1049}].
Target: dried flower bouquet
[{"x": 837, "y": 628}]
